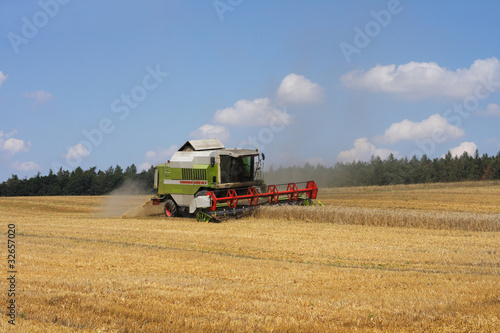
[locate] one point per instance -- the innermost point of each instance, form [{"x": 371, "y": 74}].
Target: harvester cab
[{"x": 206, "y": 179}]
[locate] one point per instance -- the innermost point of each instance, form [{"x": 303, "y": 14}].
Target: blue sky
[{"x": 101, "y": 83}]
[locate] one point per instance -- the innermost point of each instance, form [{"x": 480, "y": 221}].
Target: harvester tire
[{"x": 170, "y": 208}]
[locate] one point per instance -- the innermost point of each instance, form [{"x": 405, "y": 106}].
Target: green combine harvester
[{"x": 205, "y": 179}]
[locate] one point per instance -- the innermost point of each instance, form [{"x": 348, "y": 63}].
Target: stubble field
[{"x": 404, "y": 258}]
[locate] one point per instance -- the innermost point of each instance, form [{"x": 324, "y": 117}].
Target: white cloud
[
  {"x": 259, "y": 112},
  {"x": 469, "y": 147},
  {"x": 296, "y": 90},
  {"x": 3, "y": 77},
  {"x": 435, "y": 127},
  {"x": 8, "y": 135},
  {"x": 39, "y": 96},
  {"x": 11, "y": 145},
  {"x": 14, "y": 146},
  {"x": 209, "y": 131},
  {"x": 417, "y": 80},
  {"x": 76, "y": 152},
  {"x": 492, "y": 110},
  {"x": 26, "y": 166},
  {"x": 363, "y": 150},
  {"x": 160, "y": 155}
]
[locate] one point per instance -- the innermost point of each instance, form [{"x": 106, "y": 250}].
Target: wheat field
[{"x": 349, "y": 266}]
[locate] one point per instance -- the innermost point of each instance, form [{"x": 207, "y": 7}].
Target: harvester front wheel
[{"x": 170, "y": 208}]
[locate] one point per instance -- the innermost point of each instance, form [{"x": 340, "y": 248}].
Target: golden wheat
[
  {"x": 82, "y": 272},
  {"x": 383, "y": 217},
  {"x": 475, "y": 197}
]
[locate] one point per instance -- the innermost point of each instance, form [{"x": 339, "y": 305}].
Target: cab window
[{"x": 236, "y": 169}]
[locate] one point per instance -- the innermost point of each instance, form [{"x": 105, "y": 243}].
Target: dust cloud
[{"x": 129, "y": 200}]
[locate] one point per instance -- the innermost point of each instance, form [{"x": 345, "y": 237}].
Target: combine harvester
[{"x": 205, "y": 179}]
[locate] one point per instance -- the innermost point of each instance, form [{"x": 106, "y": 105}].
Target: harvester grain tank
[{"x": 205, "y": 178}]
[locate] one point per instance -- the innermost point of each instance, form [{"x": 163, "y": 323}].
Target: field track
[{"x": 107, "y": 264}]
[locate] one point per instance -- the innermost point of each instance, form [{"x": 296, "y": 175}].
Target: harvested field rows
[{"x": 81, "y": 271}]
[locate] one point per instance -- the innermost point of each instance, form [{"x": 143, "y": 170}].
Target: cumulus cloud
[
  {"x": 14, "y": 146},
  {"x": 3, "y": 77},
  {"x": 492, "y": 110},
  {"x": 298, "y": 90},
  {"x": 39, "y": 96},
  {"x": 8, "y": 135},
  {"x": 363, "y": 150},
  {"x": 11, "y": 145},
  {"x": 77, "y": 152},
  {"x": 417, "y": 80},
  {"x": 26, "y": 166},
  {"x": 160, "y": 155},
  {"x": 259, "y": 112},
  {"x": 293, "y": 90},
  {"x": 435, "y": 127},
  {"x": 469, "y": 147},
  {"x": 209, "y": 131}
]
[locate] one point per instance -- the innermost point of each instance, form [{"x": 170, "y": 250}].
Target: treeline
[
  {"x": 78, "y": 182},
  {"x": 392, "y": 171}
]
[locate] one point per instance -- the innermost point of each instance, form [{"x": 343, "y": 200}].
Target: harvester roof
[
  {"x": 239, "y": 152},
  {"x": 199, "y": 145},
  {"x": 201, "y": 151}
]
